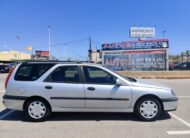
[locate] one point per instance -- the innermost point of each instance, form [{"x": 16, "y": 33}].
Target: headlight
[{"x": 173, "y": 93}]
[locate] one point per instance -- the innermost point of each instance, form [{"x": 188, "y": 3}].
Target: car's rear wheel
[
  {"x": 148, "y": 109},
  {"x": 37, "y": 110}
]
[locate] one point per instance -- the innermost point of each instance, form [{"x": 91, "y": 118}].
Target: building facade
[
  {"x": 96, "y": 56},
  {"x": 13, "y": 55}
]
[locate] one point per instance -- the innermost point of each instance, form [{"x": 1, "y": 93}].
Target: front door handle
[
  {"x": 48, "y": 87},
  {"x": 91, "y": 88}
]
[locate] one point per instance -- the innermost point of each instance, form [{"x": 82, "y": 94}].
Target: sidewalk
[{"x": 157, "y": 74}]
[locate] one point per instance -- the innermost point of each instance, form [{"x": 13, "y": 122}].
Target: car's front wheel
[
  {"x": 37, "y": 110},
  {"x": 148, "y": 109}
]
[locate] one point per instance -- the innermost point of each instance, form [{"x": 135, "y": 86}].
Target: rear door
[
  {"x": 64, "y": 87},
  {"x": 101, "y": 90}
]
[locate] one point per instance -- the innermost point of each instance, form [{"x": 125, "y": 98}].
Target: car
[
  {"x": 4, "y": 68},
  {"x": 182, "y": 66},
  {"x": 40, "y": 88}
]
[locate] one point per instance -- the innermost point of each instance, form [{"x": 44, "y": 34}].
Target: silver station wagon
[{"x": 39, "y": 88}]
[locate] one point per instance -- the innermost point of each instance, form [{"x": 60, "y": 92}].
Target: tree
[
  {"x": 182, "y": 56},
  {"x": 188, "y": 54}
]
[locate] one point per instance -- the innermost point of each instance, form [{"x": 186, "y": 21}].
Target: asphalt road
[{"x": 81, "y": 125}]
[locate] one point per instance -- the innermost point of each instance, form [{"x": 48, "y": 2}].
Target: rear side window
[
  {"x": 31, "y": 72},
  {"x": 64, "y": 74}
]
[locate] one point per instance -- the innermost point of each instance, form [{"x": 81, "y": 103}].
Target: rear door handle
[
  {"x": 91, "y": 88},
  {"x": 48, "y": 87}
]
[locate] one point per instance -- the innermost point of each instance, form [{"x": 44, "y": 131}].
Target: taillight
[{"x": 8, "y": 77}]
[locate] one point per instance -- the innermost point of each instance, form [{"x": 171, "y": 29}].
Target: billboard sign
[
  {"x": 134, "y": 45},
  {"x": 135, "y": 60},
  {"x": 142, "y": 32},
  {"x": 42, "y": 53}
]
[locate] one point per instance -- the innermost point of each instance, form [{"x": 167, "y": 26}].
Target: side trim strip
[
  {"x": 170, "y": 99},
  {"x": 80, "y": 98},
  {"x": 11, "y": 97}
]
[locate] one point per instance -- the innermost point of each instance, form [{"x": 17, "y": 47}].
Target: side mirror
[{"x": 118, "y": 82}]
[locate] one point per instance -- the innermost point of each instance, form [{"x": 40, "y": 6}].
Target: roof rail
[{"x": 55, "y": 61}]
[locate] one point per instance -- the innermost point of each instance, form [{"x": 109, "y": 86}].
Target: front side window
[
  {"x": 64, "y": 74},
  {"x": 94, "y": 75}
]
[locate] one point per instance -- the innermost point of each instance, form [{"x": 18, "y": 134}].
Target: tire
[
  {"x": 37, "y": 110},
  {"x": 148, "y": 109}
]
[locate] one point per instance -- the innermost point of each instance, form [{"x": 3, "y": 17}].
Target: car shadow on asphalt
[{"x": 76, "y": 116}]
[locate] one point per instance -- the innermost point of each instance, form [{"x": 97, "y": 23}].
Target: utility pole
[
  {"x": 167, "y": 57},
  {"x": 90, "y": 50},
  {"x": 49, "y": 29},
  {"x": 96, "y": 55}
]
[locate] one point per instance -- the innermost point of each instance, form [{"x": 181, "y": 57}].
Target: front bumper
[{"x": 170, "y": 104}]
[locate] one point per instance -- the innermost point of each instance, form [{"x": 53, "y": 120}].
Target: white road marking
[
  {"x": 183, "y": 96},
  {"x": 179, "y": 119},
  {"x": 184, "y": 132},
  {"x": 6, "y": 114}
]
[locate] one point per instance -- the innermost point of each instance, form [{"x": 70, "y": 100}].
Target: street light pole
[
  {"x": 167, "y": 57},
  {"x": 164, "y": 34},
  {"x": 90, "y": 50},
  {"x": 49, "y": 29}
]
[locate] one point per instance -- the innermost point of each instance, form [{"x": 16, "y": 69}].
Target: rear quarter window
[{"x": 31, "y": 72}]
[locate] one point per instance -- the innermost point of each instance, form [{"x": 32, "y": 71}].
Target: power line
[
  {"x": 64, "y": 43},
  {"x": 57, "y": 44},
  {"x": 96, "y": 42}
]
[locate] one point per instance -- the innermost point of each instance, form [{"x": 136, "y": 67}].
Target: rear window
[{"x": 31, "y": 72}]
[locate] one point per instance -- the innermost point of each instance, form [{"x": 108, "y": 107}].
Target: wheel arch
[
  {"x": 152, "y": 96},
  {"x": 36, "y": 97}
]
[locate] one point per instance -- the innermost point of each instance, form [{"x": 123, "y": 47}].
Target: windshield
[{"x": 123, "y": 76}]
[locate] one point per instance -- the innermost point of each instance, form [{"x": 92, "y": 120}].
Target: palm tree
[
  {"x": 182, "y": 56},
  {"x": 188, "y": 54}
]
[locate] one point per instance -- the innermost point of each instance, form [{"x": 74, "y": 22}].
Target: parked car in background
[
  {"x": 4, "y": 68},
  {"x": 173, "y": 64},
  {"x": 39, "y": 88},
  {"x": 182, "y": 66}
]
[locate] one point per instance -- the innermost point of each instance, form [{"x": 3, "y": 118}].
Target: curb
[{"x": 163, "y": 77}]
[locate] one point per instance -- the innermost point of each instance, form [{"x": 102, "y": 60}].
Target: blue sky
[{"x": 103, "y": 20}]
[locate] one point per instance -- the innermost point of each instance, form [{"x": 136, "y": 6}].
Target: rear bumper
[
  {"x": 170, "y": 104},
  {"x": 13, "y": 102}
]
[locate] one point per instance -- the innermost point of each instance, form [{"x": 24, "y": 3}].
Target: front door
[
  {"x": 101, "y": 90},
  {"x": 64, "y": 87}
]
